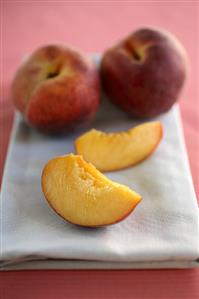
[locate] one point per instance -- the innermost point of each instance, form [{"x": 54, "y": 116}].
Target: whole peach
[
  {"x": 56, "y": 88},
  {"x": 144, "y": 73}
]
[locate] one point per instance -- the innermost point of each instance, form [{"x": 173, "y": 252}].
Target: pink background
[{"x": 94, "y": 26}]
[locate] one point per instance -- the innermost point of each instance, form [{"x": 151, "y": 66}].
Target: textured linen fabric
[{"x": 161, "y": 232}]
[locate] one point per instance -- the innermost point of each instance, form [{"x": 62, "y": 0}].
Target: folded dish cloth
[{"x": 162, "y": 232}]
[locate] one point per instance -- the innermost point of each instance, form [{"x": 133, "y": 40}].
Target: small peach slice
[
  {"x": 82, "y": 195},
  {"x": 115, "y": 151}
]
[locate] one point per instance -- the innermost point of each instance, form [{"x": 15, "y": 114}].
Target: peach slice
[
  {"x": 115, "y": 151},
  {"x": 82, "y": 195}
]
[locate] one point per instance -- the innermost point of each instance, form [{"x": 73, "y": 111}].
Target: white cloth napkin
[{"x": 162, "y": 232}]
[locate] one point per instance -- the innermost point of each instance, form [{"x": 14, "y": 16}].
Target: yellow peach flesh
[
  {"x": 119, "y": 150},
  {"x": 79, "y": 193}
]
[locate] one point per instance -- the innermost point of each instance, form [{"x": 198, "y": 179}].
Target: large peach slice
[
  {"x": 82, "y": 195},
  {"x": 114, "y": 151}
]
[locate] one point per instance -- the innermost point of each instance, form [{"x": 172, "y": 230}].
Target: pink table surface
[{"x": 94, "y": 26}]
